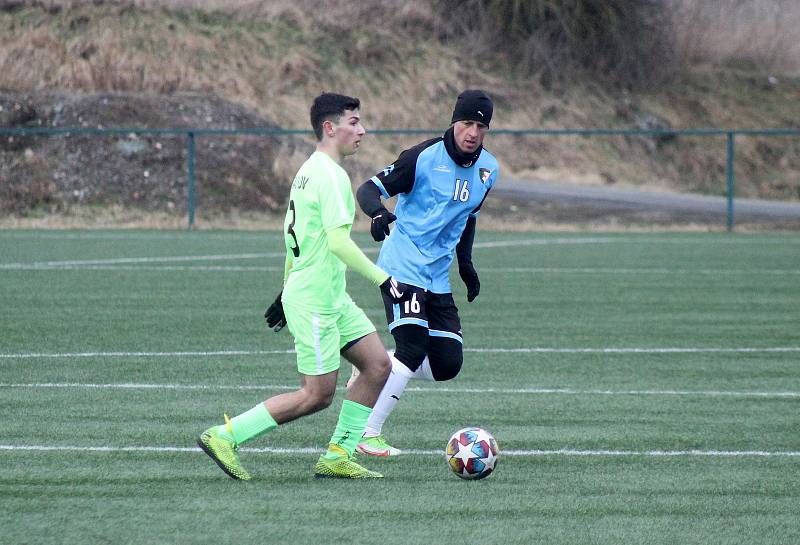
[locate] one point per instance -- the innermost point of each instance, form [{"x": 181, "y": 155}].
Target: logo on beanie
[{"x": 473, "y": 105}]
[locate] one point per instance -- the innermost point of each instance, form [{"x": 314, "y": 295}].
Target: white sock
[
  {"x": 424, "y": 371},
  {"x": 388, "y": 398}
]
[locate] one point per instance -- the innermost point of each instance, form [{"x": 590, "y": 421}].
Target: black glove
[
  {"x": 394, "y": 289},
  {"x": 380, "y": 224},
  {"x": 276, "y": 319},
  {"x": 470, "y": 277}
]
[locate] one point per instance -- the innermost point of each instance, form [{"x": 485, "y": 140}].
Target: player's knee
[
  {"x": 317, "y": 400},
  {"x": 383, "y": 366},
  {"x": 377, "y": 367},
  {"x": 446, "y": 357},
  {"x": 411, "y": 345},
  {"x": 321, "y": 403},
  {"x": 446, "y": 368}
]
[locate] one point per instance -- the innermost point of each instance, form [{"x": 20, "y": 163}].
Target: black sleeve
[
  {"x": 464, "y": 246},
  {"x": 399, "y": 176}
]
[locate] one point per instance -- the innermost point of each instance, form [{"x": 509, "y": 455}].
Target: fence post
[
  {"x": 731, "y": 178},
  {"x": 190, "y": 182}
]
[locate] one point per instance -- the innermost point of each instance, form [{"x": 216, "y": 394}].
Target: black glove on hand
[
  {"x": 470, "y": 277},
  {"x": 276, "y": 319},
  {"x": 380, "y": 224},
  {"x": 394, "y": 289}
]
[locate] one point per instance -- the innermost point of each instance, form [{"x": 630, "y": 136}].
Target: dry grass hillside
[{"x": 266, "y": 60}]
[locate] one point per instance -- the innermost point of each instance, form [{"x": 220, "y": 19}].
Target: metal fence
[{"x": 191, "y": 134}]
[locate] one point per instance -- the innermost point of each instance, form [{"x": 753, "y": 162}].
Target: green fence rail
[{"x": 192, "y": 133}]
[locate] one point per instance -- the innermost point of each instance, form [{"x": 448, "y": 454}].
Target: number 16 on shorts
[{"x": 409, "y": 311}]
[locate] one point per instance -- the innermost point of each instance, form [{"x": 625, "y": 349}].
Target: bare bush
[
  {"x": 762, "y": 33},
  {"x": 621, "y": 41}
]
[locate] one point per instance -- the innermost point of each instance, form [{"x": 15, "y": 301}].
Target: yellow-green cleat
[
  {"x": 342, "y": 467},
  {"x": 223, "y": 452}
]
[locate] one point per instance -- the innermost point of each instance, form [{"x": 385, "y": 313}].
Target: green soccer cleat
[
  {"x": 376, "y": 446},
  {"x": 224, "y": 454},
  {"x": 343, "y": 467}
]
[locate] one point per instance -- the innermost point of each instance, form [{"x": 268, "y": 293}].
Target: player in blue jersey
[{"x": 440, "y": 186}]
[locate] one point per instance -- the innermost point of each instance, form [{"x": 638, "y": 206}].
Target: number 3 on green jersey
[{"x": 290, "y": 230}]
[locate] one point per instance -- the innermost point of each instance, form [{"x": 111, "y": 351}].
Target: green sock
[
  {"x": 249, "y": 425},
  {"x": 352, "y": 421}
]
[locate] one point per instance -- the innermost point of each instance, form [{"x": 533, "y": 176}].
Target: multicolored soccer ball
[{"x": 472, "y": 453}]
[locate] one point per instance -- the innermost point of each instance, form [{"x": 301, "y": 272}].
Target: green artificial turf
[{"x": 643, "y": 388}]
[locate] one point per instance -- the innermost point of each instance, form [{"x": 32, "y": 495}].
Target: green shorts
[{"x": 319, "y": 337}]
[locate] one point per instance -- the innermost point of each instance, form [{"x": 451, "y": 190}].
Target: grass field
[{"x": 644, "y": 388}]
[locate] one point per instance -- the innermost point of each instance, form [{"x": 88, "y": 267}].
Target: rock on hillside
[{"x": 148, "y": 171}]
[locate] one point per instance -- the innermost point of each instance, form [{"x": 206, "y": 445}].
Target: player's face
[
  {"x": 469, "y": 135},
  {"x": 348, "y": 132}
]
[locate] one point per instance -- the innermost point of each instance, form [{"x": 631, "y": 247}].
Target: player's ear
[{"x": 327, "y": 127}]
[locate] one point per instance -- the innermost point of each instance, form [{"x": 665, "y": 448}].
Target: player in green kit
[{"x": 322, "y": 318}]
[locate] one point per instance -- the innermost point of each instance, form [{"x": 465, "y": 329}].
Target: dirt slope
[{"x": 112, "y": 64}]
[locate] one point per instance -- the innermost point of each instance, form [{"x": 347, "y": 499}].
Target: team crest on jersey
[{"x": 484, "y": 174}]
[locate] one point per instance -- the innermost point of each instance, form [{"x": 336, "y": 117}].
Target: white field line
[
  {"x": 520, "y": 270},
  {"x": 273, "y": 234},
  {"x": 137, "y": 260},
  {"x": 276, "y": 235},
  {"x": 578, "y": 392},
  {"x": 105, "y": 264},
  {"x": 423, "y": 452},
  {"x": 530, "y": 350},
  {"x": 634, "y": 240},
  {"x": 612, "y": 271},
  {"x": 205, "y": 268},
  {"x": 428, "y": 390},
  {"x": 676, "y": 350},
  {"x": 217, "y": 353},
  {"x": 124, "y": 234},
  {"x": 548, "y": 241}
]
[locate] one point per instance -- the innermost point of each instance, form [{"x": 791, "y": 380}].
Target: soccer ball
[{"x": 472, "y": 453}]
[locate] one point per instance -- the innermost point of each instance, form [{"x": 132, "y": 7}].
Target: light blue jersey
[{"x": 436, "y": 195}]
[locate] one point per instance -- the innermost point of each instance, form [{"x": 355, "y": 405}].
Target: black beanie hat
[{"x": 473, "y": 105}]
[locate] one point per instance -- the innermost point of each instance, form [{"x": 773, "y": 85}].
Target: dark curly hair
[{"x": 330, "y": 107}]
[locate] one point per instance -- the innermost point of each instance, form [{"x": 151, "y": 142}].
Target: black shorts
[{"x": 437, "y": 312}]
